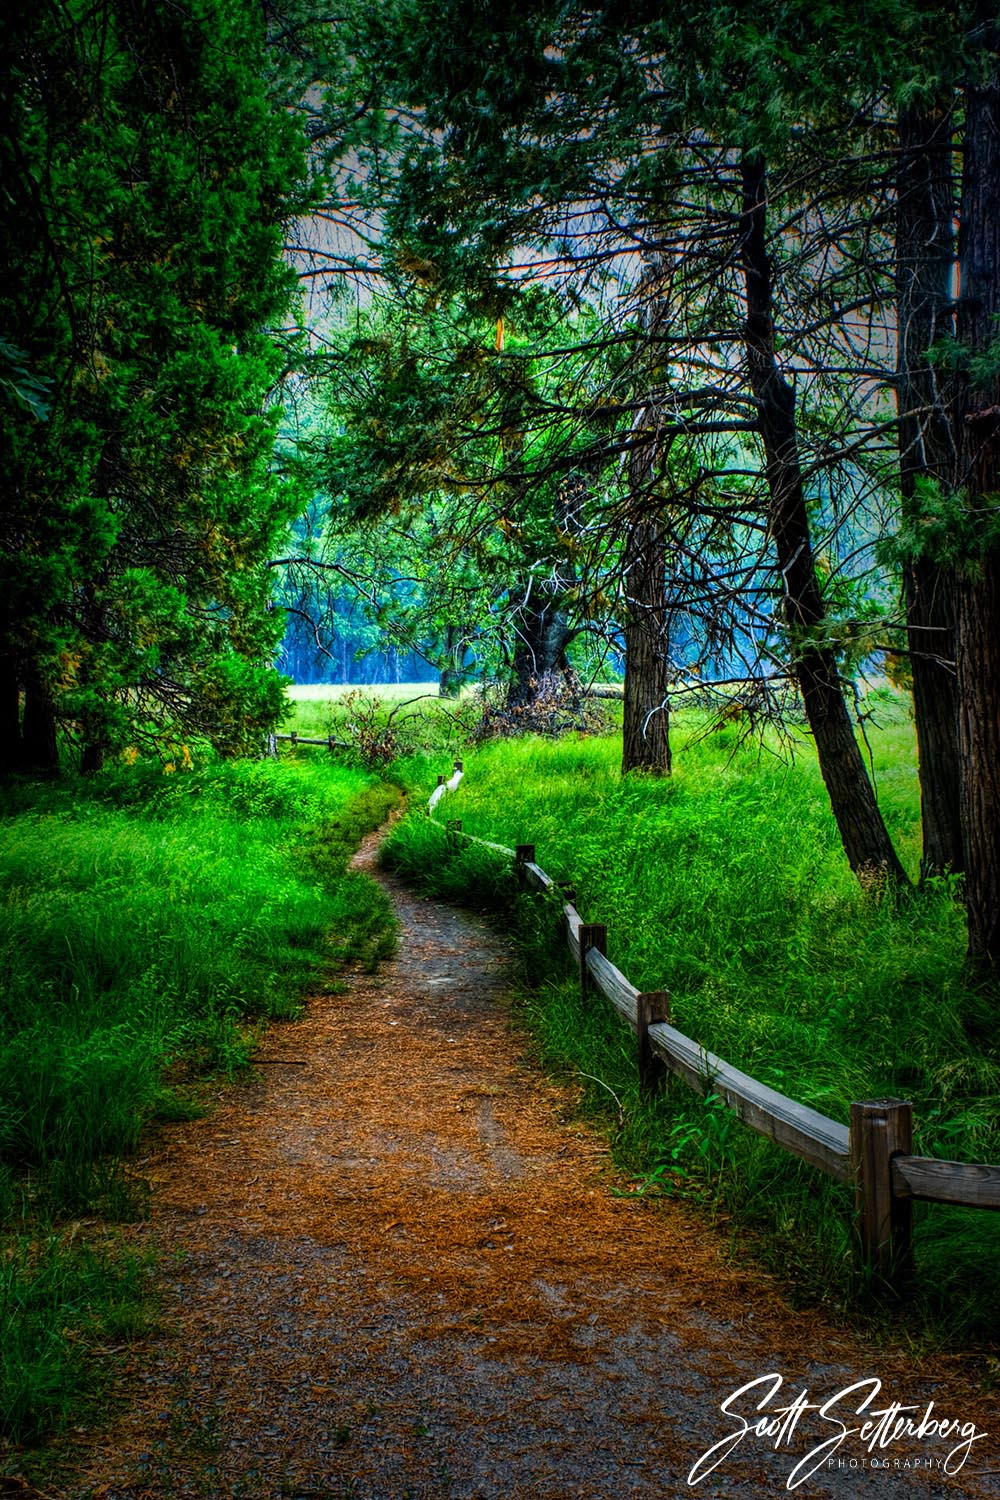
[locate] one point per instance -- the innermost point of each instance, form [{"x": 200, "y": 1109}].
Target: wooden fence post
[
  {"x": 457, "y": 765},
  {"x": 524, "y": 854},
  {"x": 880, "y": 1130},
  {"x": 592, "y": 935},
  {"x": 650, "y": 1007}
]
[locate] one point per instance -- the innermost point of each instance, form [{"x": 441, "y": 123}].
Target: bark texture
[
  {"x": 863, "y": 833},
  {"x": 925, "y": 258},
  {"x": 541, "y": 673},
  {"x": 646, "y": 720},
  {"x": 540, "y": 661},
  {"x": 977, "y": 423}
]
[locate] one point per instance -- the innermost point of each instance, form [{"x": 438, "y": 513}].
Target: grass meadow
[
  {"x": 726, "y": 885},
  {"x": 150, "y": 924}
]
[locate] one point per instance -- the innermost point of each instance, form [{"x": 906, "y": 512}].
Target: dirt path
[{"x": 400, "y": 1273}]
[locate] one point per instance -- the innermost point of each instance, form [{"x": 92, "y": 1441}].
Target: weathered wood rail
[
  {"x": 304, "y": 739},
  {"x": 874, "y": 1152}
]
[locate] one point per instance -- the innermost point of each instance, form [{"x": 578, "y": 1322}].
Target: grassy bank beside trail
[
  {"x": 726, "y": 885},
  {"x": 149, "y": 925}
]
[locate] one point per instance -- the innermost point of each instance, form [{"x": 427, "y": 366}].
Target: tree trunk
[
  {"x": 39, "y": 750},
  {"x": 10, "y": 717},
  {"x": 925, "y": 257},
  {"x": 541, "y": 671},
  {"x": 863, "y": 833},
  {"x": 979, "y": 738},
  {"x": 977, "y": 431},
  {"x": 93, "y": 724},
  {"x": 646, "y": 719},
  {"x": 450, "y": 682},
  {"x": 539, "y": 655},
  {"x": 92, "y": 757}
]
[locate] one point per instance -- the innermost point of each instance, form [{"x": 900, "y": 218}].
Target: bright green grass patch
[
  {"x": 726, "y": 884},
  {"x": 146, "y": 917},
  {"x": 149, "y": 924}
]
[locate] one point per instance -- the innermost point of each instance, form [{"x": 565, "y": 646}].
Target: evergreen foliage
[
  {"x": 148, "y": 175},
  {"x": 745, "y": 200}
]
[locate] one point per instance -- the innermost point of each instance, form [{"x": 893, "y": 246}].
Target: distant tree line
[{"x": 347, "y": 651}]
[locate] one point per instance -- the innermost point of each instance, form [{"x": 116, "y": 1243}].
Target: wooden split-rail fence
[
  {"x": 874, "y": 1152},
  {"x": 304, "y": 739}
]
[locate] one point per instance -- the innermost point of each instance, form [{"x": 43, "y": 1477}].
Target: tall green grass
[
  {"x": 726, "y": 884},
  {"x": 64, "y": 1305},
  {"x": 149, "y": 925},
  {"x": 148, "y": 921}
]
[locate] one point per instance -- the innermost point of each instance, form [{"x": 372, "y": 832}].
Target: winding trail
[{"x": 401, "y": 1273}]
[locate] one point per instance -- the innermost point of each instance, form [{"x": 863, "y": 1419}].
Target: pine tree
[{"x": 149, "y": 174}]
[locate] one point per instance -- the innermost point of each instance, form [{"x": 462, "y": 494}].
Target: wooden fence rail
[
  {"x": 303, "y": 739},
  {"x": 874, "y": 1152}
]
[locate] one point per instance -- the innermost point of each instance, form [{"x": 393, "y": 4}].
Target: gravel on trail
[{"x": 399, "y": 1273}]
